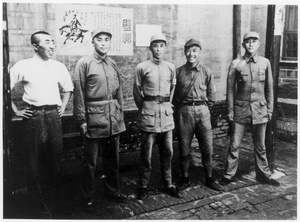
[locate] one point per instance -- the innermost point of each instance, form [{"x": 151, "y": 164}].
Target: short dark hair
[{"x": 33, "y": 37}]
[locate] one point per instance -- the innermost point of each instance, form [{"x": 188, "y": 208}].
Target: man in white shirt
[{"x": 41, "y": 78}]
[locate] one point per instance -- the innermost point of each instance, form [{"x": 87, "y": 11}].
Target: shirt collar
[
  {"x": 197, "y": 67},
  {"x": 99, "y": 58},
  {"x": 37, "y": 57},
  {"x": 253, "y": 58}
]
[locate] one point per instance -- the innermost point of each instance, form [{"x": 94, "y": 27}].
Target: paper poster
[
  {"x": 144, "y": 33},
  {"x": 74, "y": 24}
]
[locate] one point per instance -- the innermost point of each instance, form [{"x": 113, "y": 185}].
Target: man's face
[
  {"x": 102, "y": 44},
  {"x": 45, "y": 46},
  {"x": 158, "y": 49},
  {"x": 251, "y": 45},
  {"x": 192, "y": 54}
]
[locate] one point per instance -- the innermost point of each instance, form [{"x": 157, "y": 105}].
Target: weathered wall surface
[{"x": 211, "y": 24}]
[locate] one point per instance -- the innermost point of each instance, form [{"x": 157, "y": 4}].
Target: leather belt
[
  {"x": 45, "y": 107},
  {"x": 195, "y": 103},
  {"x": 159, "y": 99},
  {"x": 100, "y": 98}
]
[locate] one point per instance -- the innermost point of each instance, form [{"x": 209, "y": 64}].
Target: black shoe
[
  {"x": 225, "y": 181},
  {"x": 269, "y": 181},
  {"x": 214, "y": 185},
  {"x": 173, "y": 192},
  {"x": 118, "y": 197},
  {"x": 184, "y": 185},
  {"x": 142, "y": 193}
]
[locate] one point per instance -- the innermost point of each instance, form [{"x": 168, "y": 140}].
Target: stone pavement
[{"x": 243, "y": 199}]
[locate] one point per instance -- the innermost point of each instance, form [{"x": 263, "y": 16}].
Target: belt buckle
[
  {"x": 160, "y": 99},
  {"x": 109, "y": 97}
]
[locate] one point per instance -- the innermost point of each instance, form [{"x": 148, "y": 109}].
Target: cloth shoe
[
  {"x": 142, "y": 193},
  {"x": 269, "y": 181},
  {"x": 173, "y": 192},
  {"x": 213, "y": 185},
  {"x": 225, "y": 181},
  {"x": 184, "y": 185}
]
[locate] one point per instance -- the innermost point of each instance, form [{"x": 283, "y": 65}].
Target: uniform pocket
[
  {"x": 97, "y": 116},
  {"x": 262, "y": 108},
  {"x": 168, "y": 118},
  {"x": 262, "y": 75},
  {"x": 147, "y": 117},
  {"x": 244, "y": 76}
]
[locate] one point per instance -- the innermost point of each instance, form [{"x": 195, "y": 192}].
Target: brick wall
[{"x": 179, "y": 23}]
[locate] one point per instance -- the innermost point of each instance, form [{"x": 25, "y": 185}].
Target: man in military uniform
[
  {"x": 194, "y": 97},
  {"x": 153, "y": 91},
  {"x": 98, "y": 108},
  {"x": 249, "y": 102}
]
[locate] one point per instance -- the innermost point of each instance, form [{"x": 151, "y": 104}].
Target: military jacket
[
  {"x": 250, "y": 90},
  {"x": 98, "y": 97},
  {"x": 154, "y": 78}
]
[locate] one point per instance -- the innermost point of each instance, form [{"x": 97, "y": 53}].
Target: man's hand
[
  {"x": 230, "y": 117},
  {"x": 25, "y": 113},
  {"x": 61, "y": 110},
  {"x": 270, "y": 116},
  {"x": 83, "y": 128}
]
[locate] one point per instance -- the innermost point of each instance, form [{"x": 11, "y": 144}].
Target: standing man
[
  {"x": 153, "y": 89},
  {"x": 194, "y": 97},
  {"x": 249, "y": 102},
  {"x": 98, "y": 108},
  {"x": 42, "y": 130}
]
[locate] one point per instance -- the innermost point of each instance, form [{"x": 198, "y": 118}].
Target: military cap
[
  {"x": 158, "y": 37},
  {"x": 100, "y": 30},
  {"x": 192, "y": 42},
  {"x": 251, "y": 35}
]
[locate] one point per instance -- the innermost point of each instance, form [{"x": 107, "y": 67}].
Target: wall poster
[{"x": 75, "y": 23}]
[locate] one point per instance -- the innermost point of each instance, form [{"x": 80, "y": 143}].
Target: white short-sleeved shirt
[{"x": 41, "y": 80}]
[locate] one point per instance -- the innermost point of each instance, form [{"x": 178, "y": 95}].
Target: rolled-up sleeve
[{"x": 15, "y": 75}]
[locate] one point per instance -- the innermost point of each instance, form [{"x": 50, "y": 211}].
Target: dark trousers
[
  {"x": 109, "y": 150},
  {"x": 164, "y": 141},
  {"x": 42, "y": 137}
]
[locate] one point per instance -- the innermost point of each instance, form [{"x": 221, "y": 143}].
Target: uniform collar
[
  {"x": 197, "y": 67},
  {"x": 99, "y": 58},
  {"x": 253, "y": 58},
  {"x": 156, "y": 61}
]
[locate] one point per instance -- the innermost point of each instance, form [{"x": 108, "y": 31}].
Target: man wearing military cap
[
  {"x": 249, "y": 102},
  {"x": 98, "y": 108},
  {"x": 153, "y": 89},
  {"x": 193, "y": 98}
]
